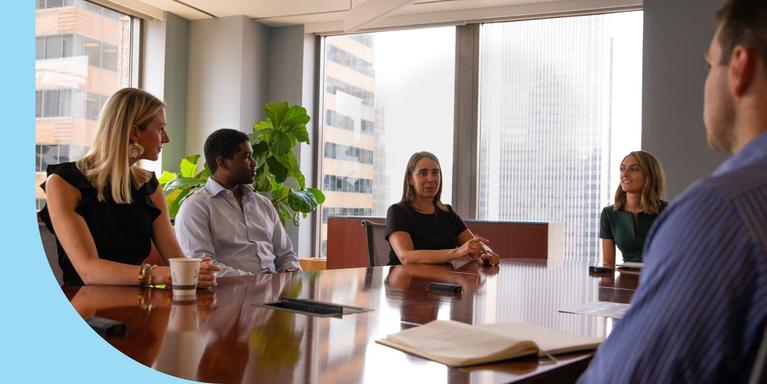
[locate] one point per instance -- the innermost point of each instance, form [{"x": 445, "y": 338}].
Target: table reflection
[{"x": 225, "y": 335}]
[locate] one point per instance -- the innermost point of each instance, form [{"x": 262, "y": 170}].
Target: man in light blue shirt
[
  {"x": 699, "y": 313},
  {"x": 228, "y": 220}
]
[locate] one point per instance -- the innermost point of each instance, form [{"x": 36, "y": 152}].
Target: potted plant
[{"x": 274, "y": 140}]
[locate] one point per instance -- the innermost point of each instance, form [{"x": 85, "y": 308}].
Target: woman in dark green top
[{"x": 637, "y": 204}]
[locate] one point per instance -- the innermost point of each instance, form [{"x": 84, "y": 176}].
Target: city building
[
  {"x": 351, "y": 132},
  {"x": 82, "y": 57}
]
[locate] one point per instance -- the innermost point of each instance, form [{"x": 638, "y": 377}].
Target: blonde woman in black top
[
  {"x": 421, "y": 229},
  {"x": 638, "y": 203},
  {"x": 105, "y": 211}
]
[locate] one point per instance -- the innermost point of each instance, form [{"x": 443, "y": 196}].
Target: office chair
[
  {"x": 378, "y": 248},
  {"x": 51, "y": 251}
]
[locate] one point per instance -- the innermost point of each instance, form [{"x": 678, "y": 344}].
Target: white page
[{"x": 600, "y": 308}]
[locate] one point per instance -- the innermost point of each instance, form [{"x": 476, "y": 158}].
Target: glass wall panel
[
  {"x": 560, "y": 105},
  {"x": 386, "y": 96}
]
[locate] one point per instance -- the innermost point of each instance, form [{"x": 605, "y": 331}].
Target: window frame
[
  {"x": 73, "y": 44},
  {"x": 466, "y": 109}
]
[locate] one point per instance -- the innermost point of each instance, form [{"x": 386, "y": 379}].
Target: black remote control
[
  {"x": 446, "y": 287},
  {"x": 600, "y": 270},
  {"x": 106, "y": 327}
]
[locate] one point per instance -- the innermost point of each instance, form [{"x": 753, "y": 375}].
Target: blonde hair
[
  {"x": 107, "y": 161},
  {"x": 654, "y": 185},
  {"x": 408, "y": 192}
]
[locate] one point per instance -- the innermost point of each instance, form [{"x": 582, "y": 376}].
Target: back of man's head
[
  {"x": 743, "y": 22},
  {"x": 224, "y": 142}
]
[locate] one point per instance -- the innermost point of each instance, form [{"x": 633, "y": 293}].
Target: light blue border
[{"x": 43, "y": 338}]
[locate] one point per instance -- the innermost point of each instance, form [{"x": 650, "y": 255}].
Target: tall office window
[
  {"x": 83, "y": 55},
  {"x": 560, "y": 105},
  {"x": 386, "y": 96}
]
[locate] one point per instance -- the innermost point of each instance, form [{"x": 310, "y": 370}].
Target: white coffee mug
[{"x": 183, "y": 272}]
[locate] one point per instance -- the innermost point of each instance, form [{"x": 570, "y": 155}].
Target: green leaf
[
  {"x": 166, "y": 177},
  {"x": 275, "y": 112},
  {"x": 278, "y": 169},
  {"x": 175, "y": 199},
  {"x": 290, "y": 161},
  {"x": 300, "y": 179},
  {"x": 184, "y": 183},
  {"x": 205, "y": 173},
  {"x": 263, "y": 125},
  {"x": 262, "y": 182},
  {"x": 302, "y": 136},
  {"x": 280, "y": 143},
  {"x": 260, "y": 153},
  {"x": 302, "y": 201},
  {"x": 172, "y": 197},
  {"x": 318, "y": 195},
  {"x": 189, "y": 165},
  {"x": 283, "y": 210},
  {"x": 189, "y": 194},
  {"x": 279, "y": 191},
  {"x": 296, "y": 115}
]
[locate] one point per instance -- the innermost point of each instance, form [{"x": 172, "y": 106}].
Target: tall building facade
[
  {"x": 351, "y": 133},
  {"x": 546, "y": 123},
  {"x": 82, "y": 57}
]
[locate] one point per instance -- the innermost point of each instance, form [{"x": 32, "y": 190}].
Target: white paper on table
[
  {"x": 459, "y": 262},
  {"x": 600, "y": 308}
]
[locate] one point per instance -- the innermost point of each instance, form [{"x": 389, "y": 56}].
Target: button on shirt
[
  {"x": 242, "y": 241},
  {"x": 700, "y": 309}
]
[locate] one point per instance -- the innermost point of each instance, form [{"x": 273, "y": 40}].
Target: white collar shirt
[{"x": 241, "y": 241}]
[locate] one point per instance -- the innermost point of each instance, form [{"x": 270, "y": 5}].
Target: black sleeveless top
[{"x": 122, "y": 232}]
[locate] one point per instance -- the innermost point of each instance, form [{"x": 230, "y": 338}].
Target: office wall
[
  {"x": 676, "y": 36},
  {"x": 227, "y": 76},
  {"x": 292, "y": 78},
  {"x": 164, "y": 74},
  {"x": 175, "y": 89}
]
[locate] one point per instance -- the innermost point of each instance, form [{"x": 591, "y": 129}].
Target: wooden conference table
[{"x": 225, "y": 336}]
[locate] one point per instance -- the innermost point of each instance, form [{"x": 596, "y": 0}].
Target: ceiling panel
[{"x": 292, "y": 12}]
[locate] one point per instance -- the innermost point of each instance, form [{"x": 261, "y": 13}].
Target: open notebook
[{"x": 458, "y": 344}]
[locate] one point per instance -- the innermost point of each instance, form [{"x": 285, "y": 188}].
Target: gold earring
[{"x": 135, "y": 150}]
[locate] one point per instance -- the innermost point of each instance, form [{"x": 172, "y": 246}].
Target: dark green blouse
[{"x": 619, "y": 226}]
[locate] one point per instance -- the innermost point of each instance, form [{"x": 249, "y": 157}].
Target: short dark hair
[
  {"x": 223, "y": 142},
  {"x": 743, "y": 22}
]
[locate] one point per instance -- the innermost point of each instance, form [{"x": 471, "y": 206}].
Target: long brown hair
[
  {"x": 654, "y": 184},
  {"x": 408, "y": 192}
]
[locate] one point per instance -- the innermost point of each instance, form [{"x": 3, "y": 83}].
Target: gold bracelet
[
  {"x": 142, "y": 273},
  {"x": 145, "y": 272},
  {"x": 151, "y": 269}
]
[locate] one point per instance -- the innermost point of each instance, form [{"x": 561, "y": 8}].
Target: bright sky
[{"x": 414, "y": 81}]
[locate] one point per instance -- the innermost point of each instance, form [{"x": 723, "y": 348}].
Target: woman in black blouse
[
  {"x": 421, "y": 229},
  {"x": 105, "y": 210}
]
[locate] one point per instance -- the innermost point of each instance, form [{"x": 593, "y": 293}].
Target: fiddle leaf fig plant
[
  {"x": 278, "y": 172},
  {"x": 179, "y": 186},
  {"x": 274, "y": 140}
]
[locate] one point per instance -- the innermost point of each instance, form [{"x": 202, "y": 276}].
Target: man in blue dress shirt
[
  {"x": 699, "y": 313},
  {"x": 228, "y": 220}
]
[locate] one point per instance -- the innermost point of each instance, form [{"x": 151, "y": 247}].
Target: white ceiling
[{"x": 292, "y": 12}]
